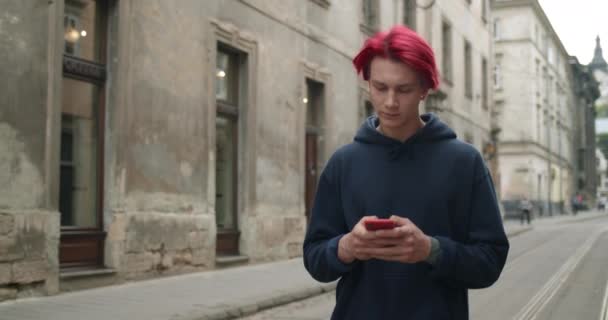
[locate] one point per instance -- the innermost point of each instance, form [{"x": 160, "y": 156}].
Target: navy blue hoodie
[{"x": 438, "y": 182}]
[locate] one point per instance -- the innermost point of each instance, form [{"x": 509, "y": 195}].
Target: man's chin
[{"x": 392, "y": 123}]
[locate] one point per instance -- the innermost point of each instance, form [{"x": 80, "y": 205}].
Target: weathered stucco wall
[
  {"x": 157, "y": 214},
  {"x": 29, "y": 231}
]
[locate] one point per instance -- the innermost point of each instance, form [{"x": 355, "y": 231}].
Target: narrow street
[{"x": 555, "y": 271}]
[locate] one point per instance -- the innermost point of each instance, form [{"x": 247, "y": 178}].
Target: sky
[{"x": 577, "y": 23}]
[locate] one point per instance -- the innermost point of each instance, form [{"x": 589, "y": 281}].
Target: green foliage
[{"x": 602, "y": 111}]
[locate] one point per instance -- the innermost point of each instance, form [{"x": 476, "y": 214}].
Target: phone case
[{"x": 379, "y": 224}]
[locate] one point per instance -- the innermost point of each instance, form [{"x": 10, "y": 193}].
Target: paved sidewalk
[
  {"x": 219, "y": 294},
  {"x": 514, "y": 226}
]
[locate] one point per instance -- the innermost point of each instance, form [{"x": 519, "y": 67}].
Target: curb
[{"x": 248, "y": 308}]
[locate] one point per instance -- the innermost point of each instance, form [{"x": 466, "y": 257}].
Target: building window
[
  {"x": 468, "y": 69},
  {"x": 367, "y": 110},
  {"x": 484, "y": 11},
  {"x": 409, "y": 13},
  {"x": 550, "y": 55},
  {"x": 82, "y": 133},
  {"x": 497, "y": 29},
  {"x": 446, "y": 51},
  {"x": 538, "y": 77},
  {"x": 234, "y": 87},
  {"x": 544, "y": 43},
  {"x": 226, "y": 85},
  {"x": 581, "y": 159},
  {"x": 371, "y": 21},
  {"x": 484, "y": 83},
  {"x": 497, "y": 76},
  {"x": 228, "y": 81},
  {"x": 548, "y": 87},
  {"x": 71, "y": 25},
  {"x": 322, "y": 3},
  {"x": 82, "y": 27},
  {"x": 80, "y": 143},
  {"x": 315, "y": 99},
  {"x": 539, "y": 122}
]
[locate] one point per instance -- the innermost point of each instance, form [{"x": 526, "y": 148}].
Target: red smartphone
[{"x": 379, "y": 224}]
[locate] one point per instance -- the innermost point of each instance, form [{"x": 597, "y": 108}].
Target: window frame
[
  {"x": 496, "y": 29},
  {"x": 72, "y": 252},
  {"x": 367, "y": 25},
  {"x": 325, "y": 4},
  {"x": 468, "y": 69},
  {"x": 409, "y": 13},
  {"x": 447, "y": 64},
  {"x": 484, "y": 84},
  {"x": 230, "y": 109}
]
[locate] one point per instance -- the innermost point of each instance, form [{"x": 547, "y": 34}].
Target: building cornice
[{"x": 500, "y": 4}]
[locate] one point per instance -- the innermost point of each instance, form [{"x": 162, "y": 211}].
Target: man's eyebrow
[
  {"x": 408, "y": 85},
  {"x": 379, "y": 83}
]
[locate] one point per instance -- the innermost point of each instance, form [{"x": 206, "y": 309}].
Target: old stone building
[
  {"x": 599, "y": 68},
  {"x": 146, "y": 138},
  {"x": 460, "y": 34},
  {"x": 586, "y": 93},
  {"x": 537, "y": 107}
]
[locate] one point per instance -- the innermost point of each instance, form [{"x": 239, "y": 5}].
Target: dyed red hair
[{"x": 400, "y": 44}]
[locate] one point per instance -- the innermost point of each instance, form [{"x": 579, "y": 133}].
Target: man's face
[{"x": 395, "y": 92}]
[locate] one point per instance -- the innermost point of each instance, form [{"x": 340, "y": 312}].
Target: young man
[{"x": 411, "y": 169}]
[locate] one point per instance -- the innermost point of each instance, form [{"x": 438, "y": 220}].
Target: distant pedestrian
[
  {"x": 601, "y": 203},
  {"x": 577, "y": 203},
  {"x": 525, "y": 208}
]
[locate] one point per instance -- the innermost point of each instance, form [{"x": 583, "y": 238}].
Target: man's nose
[{"x": 391, "y": 100}]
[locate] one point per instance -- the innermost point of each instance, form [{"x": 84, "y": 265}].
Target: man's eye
[
  {"x": 405, "y": 90},
  {"x": 381, "y": 88}
]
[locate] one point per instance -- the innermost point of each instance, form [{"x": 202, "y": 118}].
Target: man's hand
[
  {"x": 356, "y": 244},
  {"x": 406, "y": 243}
]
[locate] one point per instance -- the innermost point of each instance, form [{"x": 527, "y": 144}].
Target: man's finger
[
  {"x": 397, "y": 258},
  {"x": 384, "y": 242},
  {"x": 384, "y": 251},
  {"x": 400, "y": 221},
  {"x": 389, "y": 233}
]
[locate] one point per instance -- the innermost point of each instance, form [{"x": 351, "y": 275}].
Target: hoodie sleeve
[
  {"x": 327, "y": 226},
  {"x": 478, "y": 261}
]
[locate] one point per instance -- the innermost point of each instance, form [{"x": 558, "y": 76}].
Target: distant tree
[{"x": 602, "y": 111}]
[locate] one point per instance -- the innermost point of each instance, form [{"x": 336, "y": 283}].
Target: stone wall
[
  {"x": 146, "y": 244},
  {"x": 28, "y": 253},
  {"x": 29, "y": 229}
]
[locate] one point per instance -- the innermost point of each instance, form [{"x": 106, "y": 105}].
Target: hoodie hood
[{"x": 433, "y": 130}]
